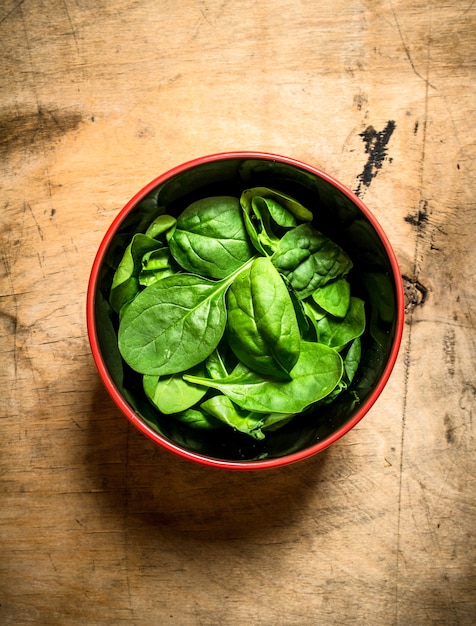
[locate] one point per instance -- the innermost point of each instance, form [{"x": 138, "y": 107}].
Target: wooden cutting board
[{"x": 99, "y": 526}]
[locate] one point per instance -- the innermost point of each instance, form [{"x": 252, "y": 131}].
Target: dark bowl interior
[{"x": 337, "y": 214}]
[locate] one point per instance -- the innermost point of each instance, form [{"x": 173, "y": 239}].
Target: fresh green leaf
[
  {"x": 162, "y": 225},
  {"x": 309, "y": 259},
  {"x": 334, "y": 297},
  {"x": 156, "y": 259},
  {"x": 262, "y": 223},
  {"x": 210, "y": 237},
  {"x": 282, "y": 200},
  {"x": 262, "y": 327},
  {"x": 255, "y": 230},
  {"x": 195, "y": 418},
  {"x": 274, "y": 421},
  {"x": 174, "y": 324},
  {"x": 172, "y": 394},
  {"x": 125, "y": 283},
  {"x": 316, "y": 373},
  {"x": 300, "y": 311},
  {"x": 351, "y": 364},
  {"x": 340, "y": 387},
  {"x": 156, "y": 265},
  {"x": 215, "y": 365},
  {"x": 338, "y": 332},
  {"x": 222, "y": 408},
  {"x": 289, "y": 315},
  {"x": 313, "y": 310},
  {"x": 352, "y": 359},
  {"x": 266, "y": 217},
  {"x": 381, "y": 293},
  {"x": 276, "y": 212}
]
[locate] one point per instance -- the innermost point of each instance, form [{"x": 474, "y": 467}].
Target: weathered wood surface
[{"x": 98, "y": 526}]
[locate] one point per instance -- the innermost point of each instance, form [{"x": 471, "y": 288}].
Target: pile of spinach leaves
[{"x": 239, "y": 312}]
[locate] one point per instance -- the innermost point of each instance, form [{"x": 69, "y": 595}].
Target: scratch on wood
[
  {"x": 17, "y": 6},
  {"x": 73, "y": 31},
  {"x": 469, "y": 7},
  {"x": 407, "y": 50},
  {"x": 27, "y": 207},
  {"x": 12, "y": 318}
]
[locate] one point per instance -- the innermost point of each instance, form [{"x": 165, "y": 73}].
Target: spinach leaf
[
  {"x": 270, "y": 333},
  {"x": 108, "y": 339},
  {"x": 172, "y": 394},
  {"x": 316, "y": 373},
  {"x": 301, "y": 314},
  {"x": 271, "y": 211},
  {"x": 174, "y": 324},
  {"x": 262, "y": 328},
  {"x": 277, "y": 201},
  {"x": 257, "y": 224},
  {"x": 334, "y": 297},
  {"x": 312, "y": 315},
  {"x": 195, "y": 418},
  {"x": 380, "y": 290},
  {"x": 162, "y": 225},
  {"x": 267, "y": 215},
  {"x": 309, "y": 259},
  {"x": 210, "y": 238},
  {"x": 273, "y": 421},
  {"x": 351, "y": 363},
  {"x": 338, "y": 332},
  {"x": 157, "y": 264},
  {"x": 352, "y": 359},
  {"x": 222, "y": 408},
  {"x": 313, "y": 310},
  {"x": 125, "y": 283},
  {"x": 215, "y": 365},
  {"x": 259, "y": 214}
]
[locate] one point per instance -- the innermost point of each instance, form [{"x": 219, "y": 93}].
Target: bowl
[{"x": 375, "y": 276}]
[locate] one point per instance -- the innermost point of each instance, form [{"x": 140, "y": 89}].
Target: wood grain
[{"x": 98, "y": 526}]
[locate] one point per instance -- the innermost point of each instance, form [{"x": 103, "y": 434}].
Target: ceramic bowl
[{"x": 340, "y": 215}]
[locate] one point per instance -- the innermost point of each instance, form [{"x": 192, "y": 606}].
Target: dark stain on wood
[
  {"x": 420, "y": 218},
  {"x": 34, "y": 129},
  {"x": 376, "y": 143},
  {"x": 449, "y": 429},
  {"x": 449, "y": 349}
]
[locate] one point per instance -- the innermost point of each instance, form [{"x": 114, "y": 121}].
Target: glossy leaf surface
[
  {"x": 309, "y": 259},
  {"x": 210, "y": 237},
  {"x": 338, "y": 332},
  {"x": 173, "y": 324},
  {"x": 262, "y": 327},
  {"x": 222, "y": 408},
  {"x": 125, "y": 283},
  {"x": 334, "y": 297},
  {"x": 316, "y": 373},
  {"x": 172, "y": 394}
]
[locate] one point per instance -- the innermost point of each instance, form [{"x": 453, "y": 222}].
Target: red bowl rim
[{"x": 157, "y": 437}]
